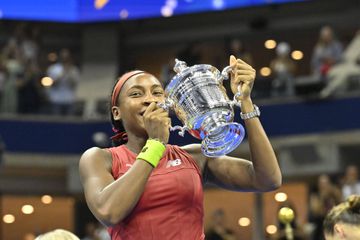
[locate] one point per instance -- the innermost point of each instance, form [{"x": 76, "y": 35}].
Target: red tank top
[{"x": 171, "y": 206}]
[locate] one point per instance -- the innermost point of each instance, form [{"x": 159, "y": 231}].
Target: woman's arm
[
  {"x": 112, "y": 200},
  {"x": 262, "y": 173},
  {"x": 108, "y": 199}
]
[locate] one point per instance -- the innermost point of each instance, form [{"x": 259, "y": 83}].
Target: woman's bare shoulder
[
  {"x": 194, "y": 148},
  {"x": 96, "y": 158},
  {"x": 195, "y": 152}
]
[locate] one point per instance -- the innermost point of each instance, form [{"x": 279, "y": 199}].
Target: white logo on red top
[{"x": 173, "y": 163}]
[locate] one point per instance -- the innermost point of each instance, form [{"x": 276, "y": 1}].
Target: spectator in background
[
  {"x": 326, "y": 197},
  {"x": 3, "y": 77},
  {"x": 2, "y": 150},
  {"x": 351, "y": 185},
  {"x": 343, "y": 221},
  {"x": 341, "y": 74},
  {"x": 237, "y": 48},
  {"x": 25, "y": 36},
  {"x": 29, "y": 45},
  {"x": 218, "y": 229},
  {"x": 283, "y": 68},
  {"x": 327, "y": 52},
  {"x": 66, "y": 76},
  {"x": 58, "y": 234},
  {"x": 13, "y": 63},
  {"x": 29, "y": 90}
]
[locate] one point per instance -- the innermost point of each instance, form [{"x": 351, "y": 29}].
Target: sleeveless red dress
[{"x": 171, "y": 206}]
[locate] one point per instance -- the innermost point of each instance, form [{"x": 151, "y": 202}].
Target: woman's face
[
  {"x": 352, "y": 174},
  {"x": 135, "y": 96},
  {"x": 324, "y": 183}
]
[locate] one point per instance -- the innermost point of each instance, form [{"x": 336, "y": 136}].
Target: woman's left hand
[{"x": 242, "y": 75}]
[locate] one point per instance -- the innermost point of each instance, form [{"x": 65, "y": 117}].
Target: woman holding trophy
[{"x": 145, "y": 188}]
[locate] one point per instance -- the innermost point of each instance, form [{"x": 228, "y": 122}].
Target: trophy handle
[
  {"x": 166, "y": 106},
  {"x": 226, "y": 72},
  {"x": 225, "y": 76},
  {"x": 181, "y": 128}
]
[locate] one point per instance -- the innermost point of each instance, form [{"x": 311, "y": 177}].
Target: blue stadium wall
[{"x": 69, "y": 137}]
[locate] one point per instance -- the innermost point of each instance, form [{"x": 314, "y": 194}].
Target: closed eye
[
  {"x": 158, "y": 93},
  {"x": 135, "y": 94}
]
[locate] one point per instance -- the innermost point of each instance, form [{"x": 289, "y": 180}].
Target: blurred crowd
[
  {"x": 334, "y": 67},
  {"x": 30, "y": 84},
  {"x": 329, "y": 193},
  {"x": 326, "y": 194}
]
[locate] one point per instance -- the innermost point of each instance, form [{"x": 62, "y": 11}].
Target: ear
[
  {"x": 339, "y": 231},
  {"x": 116, "y": 113}
]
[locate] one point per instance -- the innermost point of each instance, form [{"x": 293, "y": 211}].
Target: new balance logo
[{"x": 173, "y": 163}]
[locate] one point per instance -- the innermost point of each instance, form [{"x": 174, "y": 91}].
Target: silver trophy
[{"x": 199, "y": 100}]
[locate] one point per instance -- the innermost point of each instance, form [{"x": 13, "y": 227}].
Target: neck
[{"x": 136, "y": 143}]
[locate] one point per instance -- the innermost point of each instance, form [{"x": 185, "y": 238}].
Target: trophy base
[{"x": 224, "y": 140}]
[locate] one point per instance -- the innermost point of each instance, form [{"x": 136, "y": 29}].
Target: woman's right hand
[{"x": 157, "y": 123}]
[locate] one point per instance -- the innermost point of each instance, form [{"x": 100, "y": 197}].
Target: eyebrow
[{"x": 142, "y": 87}]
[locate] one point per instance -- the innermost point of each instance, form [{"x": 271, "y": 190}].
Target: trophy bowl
[{"x": 199, "y": 100}]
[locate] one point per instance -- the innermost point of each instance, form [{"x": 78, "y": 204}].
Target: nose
[{"x": 150, "y": 98}]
